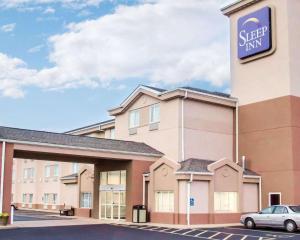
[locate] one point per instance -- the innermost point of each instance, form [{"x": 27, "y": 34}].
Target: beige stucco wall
[
  {"x": 166, "y": 138},
  {"x": 182, "y": 192},
  {"x": 200, "y": 193},
  {"x": 275, "y": 75},
  {"x": 39, "y": 185},
  {"x": 208, "y": 130},
  {"x": 226, "y": 179},
  {"x": 251, "y": 196}
]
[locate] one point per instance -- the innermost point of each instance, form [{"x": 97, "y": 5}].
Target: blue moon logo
[{"x": 254, "y": 20}]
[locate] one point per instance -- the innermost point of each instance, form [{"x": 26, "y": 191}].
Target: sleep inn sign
[{"x": 255, "y": 33}]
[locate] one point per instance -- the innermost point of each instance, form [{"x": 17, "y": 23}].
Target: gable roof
[
  {"x": 164, "y": 95},
  {"x": 206, "y": 91},
  {"x": 193, "y": 165},
  {"x": 91, "y": 126},
  {"x": 17, "y": 135},
  {"x": 154, "y": 88}
]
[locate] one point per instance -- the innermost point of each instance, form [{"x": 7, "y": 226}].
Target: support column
[
  {"x": 8, "y": 154},
  {"x": 95, "y": 210},
  {"x": 134, "y": 185}
]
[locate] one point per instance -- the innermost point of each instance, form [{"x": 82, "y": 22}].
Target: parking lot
[
  {"x": 38, "y": 225},
  {"x": 138, "y": 232},
  {"x": 27, "y": 215},
  {"x": 228, "y": 233}
]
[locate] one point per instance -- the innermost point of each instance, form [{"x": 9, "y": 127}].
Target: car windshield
[{"x": 295, "y": 209}]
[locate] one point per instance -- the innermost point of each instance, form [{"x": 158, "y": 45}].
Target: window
[
  {"x": 225, "y": 201},
  {"x": 56, "y": 170},
  {"x": 280, "y": 210},
  {"x": 54, "y": 198},
  {"x": 28, "y": 173},
  {"x": 47, "y": 171},
  {"x": 30, "y": 198},
  {"x": 112, "y": 133},
  {"x": 268, "y": 210},
  {"x": 274, "y": 199},
  {"x": 154, "y": 113},
  {"x": 113, "y": 177},
  {"x": 75, "y": 168},
  {"x": 164, "y": 201},
  {"x": 134, "y": 118},
  {"x": 24, "y": 198},
  {"x": 25, "y": 175},
  {"x": 86, "y": 200},
  {"x": 295, "y": 209},
  {"x": 103, "y": 178},
  {"x": 46, "y": 198}
]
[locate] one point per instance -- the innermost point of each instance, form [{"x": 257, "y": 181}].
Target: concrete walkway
[{"x": 29, "y": 219}]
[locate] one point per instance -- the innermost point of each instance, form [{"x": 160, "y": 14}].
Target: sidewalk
[{"x": 88, "y": 221}]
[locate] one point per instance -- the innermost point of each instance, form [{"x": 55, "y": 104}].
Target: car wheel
[
  {"x": 249, "y": 223},
  {"x": 290, "y": 226}
]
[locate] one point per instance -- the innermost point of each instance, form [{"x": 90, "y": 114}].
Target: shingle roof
[
  {"x": 155, "y": 88},
  {"x": 201, "y": 165},
  {"x": 91, "y": 125},
  {"x": 220, "y": 94},
  {"x": 194, "y": 165},
  {"x": 24, "y": 135},
  {"x": 71, "y": 176}
]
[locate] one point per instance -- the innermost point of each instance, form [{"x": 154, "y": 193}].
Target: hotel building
[{"x": 191, "y": 156}]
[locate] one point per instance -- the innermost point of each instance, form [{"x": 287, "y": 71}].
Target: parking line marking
[
  {"x": 216, "y": 234},
  {"x": 243, "y": 238},
  {"x": 189, "y": 231},
  {"x": 200, "y": 233},
  {"x": 177, "y": 230},
  {"x": 230, "y": 235},
  {"x": 261, "y": 230}
]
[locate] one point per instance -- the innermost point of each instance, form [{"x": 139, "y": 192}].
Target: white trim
[
  {"x": 98, "y": 125},
  {"x": 2, "y": 175},
  {"x": 237, "y": 132},
  {"x": 231, "y": 99},
  {"x": 144, "y": 190},
  {"x": 260, "y": 194},
  {"x": 274, "y": 193},
  {"x": 196, "y": 173},
  {"x": 134, "y": 92},
  {"x": 79, "y": 148},
  {"x": 182, "y": 127},
  {"x": 251, "y": 176}
]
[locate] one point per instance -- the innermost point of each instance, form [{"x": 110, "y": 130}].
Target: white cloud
[
  {"x": 165, "y": 41},
  {"x": 8, "y": 27},
  {"x": 36, "y": 48},
  {"x": 14, "y": 75},
  {"x": 49, "y": 10}
]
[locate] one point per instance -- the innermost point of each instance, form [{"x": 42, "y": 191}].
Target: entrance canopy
[
  {"x": 105, "y": 154},
  {"x": 57, "y": 146}
]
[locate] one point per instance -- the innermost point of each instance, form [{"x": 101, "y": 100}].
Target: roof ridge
[
  {"x": 90, "y": 125},
  {"x": 74, "y": 136}
]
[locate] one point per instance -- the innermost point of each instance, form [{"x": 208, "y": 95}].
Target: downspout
[
  {"x": 2, "y": 175},
  {"x": 144, "y": 189},
  {"x": 237, "y": 132},
  {"x": 188, "y": 206},
  {"x": 182, "y": 127},
  {"x": 260, "y": 196}
]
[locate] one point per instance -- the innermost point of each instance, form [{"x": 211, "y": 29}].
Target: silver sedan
[{"x": 279, "y": 216}]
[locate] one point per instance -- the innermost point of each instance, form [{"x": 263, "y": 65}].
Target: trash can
[{"x": 139, "y": 214}]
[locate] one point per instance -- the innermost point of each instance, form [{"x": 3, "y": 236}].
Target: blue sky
[{"x": 63, "y": 65}]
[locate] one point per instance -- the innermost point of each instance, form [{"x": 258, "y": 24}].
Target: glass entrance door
[
  {"x": 112, "y": 205},
  {"x": 113, "y": 195}
]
